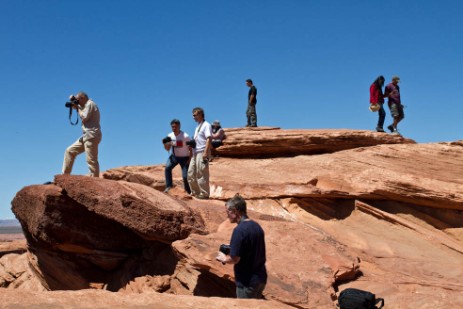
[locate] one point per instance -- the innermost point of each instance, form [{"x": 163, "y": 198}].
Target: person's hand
[{"x": 221, "y": 257}]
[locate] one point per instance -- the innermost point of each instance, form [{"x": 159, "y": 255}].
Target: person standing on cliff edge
[
  {"x": 252, "y": 101},
  {"x": 392, "y": 92},
  {"x": 377, "y": 97},
  {"x": 198, "y": 171},
  {"x": 89, "y": 113}
]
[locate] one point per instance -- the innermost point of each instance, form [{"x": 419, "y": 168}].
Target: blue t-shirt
[{"x": 248, "y": 242}]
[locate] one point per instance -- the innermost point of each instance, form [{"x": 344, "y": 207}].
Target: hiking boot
[
  {"x": 395, "y": 132},
  {"x": 391, "y": 128},
  {"x": 202, "y": 197},
  {"x": 167, "y": 189},
  {"x": 379, "y": 129}
]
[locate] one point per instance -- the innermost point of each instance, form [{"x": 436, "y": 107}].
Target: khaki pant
[
  {"x": 198, "y": 176},
  {"x": 90, "y": 147}
]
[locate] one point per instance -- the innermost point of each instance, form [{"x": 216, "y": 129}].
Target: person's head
[
  {"x": 236, "y": 208},
  {"x": 395, "y": 80},
  {"x": 198, "y": 114},
  {"x": 175, "y": 125},
  {"x": 82, "y": 97},
  {"x": 216, "y": 124},
  {"x": 379, "y": 81},
  {"x": 249, "y": 82}
]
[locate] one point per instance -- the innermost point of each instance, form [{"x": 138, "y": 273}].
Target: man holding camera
[
  {"x": 246, "y": 251},
  {"x": 177, "y": 142},
  {"x": 90, "y": 116},
  {"x": 198, "y": 171}
]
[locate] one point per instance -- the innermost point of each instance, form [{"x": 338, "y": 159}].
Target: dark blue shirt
[
  {"x": 248, "y": 242},
  {"x": 252, "y": 91}
]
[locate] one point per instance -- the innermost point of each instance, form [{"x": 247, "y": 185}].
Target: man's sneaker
[
  {"x": 202, "y": 197},
  {"x": 391, "y": 128},
  {"x": 167, "y": 189},
  {"x": 379, "y": 129},
  {"x": 395, "y": 132}
]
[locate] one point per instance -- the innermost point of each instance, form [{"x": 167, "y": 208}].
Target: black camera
[
  {"x": 191, "y": 143},
  {"x": 73, "y": 101},
  {"x": 225, "y": 249},
  {"x": 166, "y": 139}
]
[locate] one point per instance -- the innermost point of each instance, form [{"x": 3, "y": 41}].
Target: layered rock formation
[{"x": 340, "y": 209}]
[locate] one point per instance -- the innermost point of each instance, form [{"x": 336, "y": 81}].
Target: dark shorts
[{"x": 397, "y": 110}]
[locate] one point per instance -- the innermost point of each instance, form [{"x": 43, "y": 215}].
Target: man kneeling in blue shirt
[{"x": 247, "y": 251}]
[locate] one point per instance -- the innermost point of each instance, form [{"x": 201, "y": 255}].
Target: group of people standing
[
  {"x": 193, "y": 155},
  {"x": 247, "y": 244},
  {"x": 392, "y": 93}
]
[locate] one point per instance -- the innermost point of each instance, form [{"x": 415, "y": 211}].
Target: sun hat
[{"x": 374, "y": 107}]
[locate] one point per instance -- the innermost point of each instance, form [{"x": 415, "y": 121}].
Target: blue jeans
[
  {"x": 173, "y": 162},
  {"x": 381, "y": 116},
  {"x": 250, "y": 291}
]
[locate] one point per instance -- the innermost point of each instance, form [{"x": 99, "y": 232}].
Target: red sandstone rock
[
  {"x": 368, "y": 210},
  {"x": 10, "y": 299},
  {"x": 269, "y": 142},
  {"x": 18, "y": 245},
  {"x": 81, "y": 227}
]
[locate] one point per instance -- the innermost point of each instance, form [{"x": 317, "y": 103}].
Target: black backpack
[{"x": 358, "y": 299}]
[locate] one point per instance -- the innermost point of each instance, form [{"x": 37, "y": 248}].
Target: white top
[
  {"x": 202, "y": 133},
  {"x": 179, "y": 146}
]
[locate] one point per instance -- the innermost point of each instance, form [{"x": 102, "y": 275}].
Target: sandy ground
[{"x": 11, "y": 237}]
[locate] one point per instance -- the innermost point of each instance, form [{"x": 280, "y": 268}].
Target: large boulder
[{"x": 81, "y": 227}]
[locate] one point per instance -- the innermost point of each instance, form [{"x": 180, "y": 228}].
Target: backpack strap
[{"x": 379, "y": 300}]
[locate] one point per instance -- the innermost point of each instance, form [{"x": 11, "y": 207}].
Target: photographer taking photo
[
  {"x": 91, "y": 134},
  {"x": 177, "y": 142}
]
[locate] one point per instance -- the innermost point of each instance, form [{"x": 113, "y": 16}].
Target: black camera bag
[{"x": 358, "y": 299}]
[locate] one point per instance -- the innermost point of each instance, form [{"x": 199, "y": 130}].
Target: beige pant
[
  {"x": 90, "y": 147},
  {"x": 198, "y": 176}
]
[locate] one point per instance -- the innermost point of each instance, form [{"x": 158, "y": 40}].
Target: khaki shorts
[{"x": 397, "y": 110}]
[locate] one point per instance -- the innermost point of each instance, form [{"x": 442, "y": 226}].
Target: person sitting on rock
[{"x": 218, "y": 134}]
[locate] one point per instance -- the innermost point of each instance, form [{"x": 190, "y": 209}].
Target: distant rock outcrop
[{"x": 340, "y": 209}]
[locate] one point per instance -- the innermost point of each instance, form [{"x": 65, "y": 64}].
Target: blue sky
[{"x": 146, "y": 62}]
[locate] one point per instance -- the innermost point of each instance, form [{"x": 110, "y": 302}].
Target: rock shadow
[
  {"x": 210, "y": 285},
  {"x": 440, "y": 218},
  {"x": 325, "y": 208}
]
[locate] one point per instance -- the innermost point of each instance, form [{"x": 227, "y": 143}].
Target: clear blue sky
[{"x": 146, "y": 62}]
